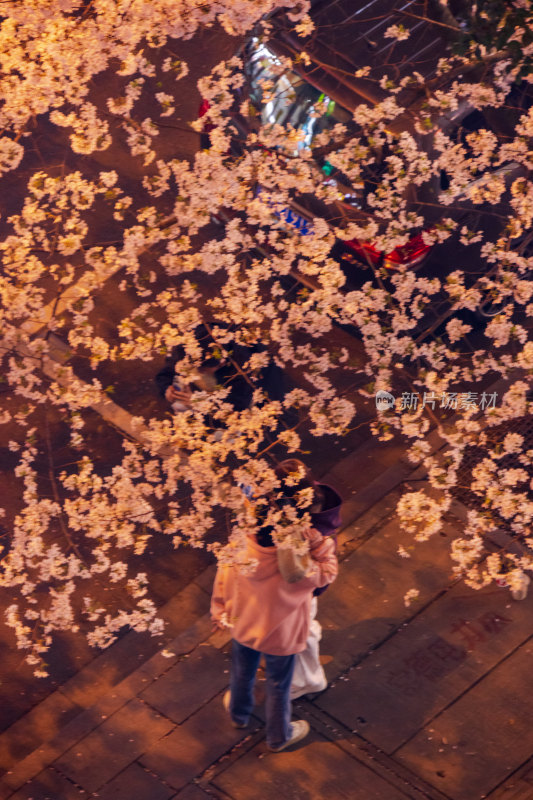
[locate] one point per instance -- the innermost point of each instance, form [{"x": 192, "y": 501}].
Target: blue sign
[{"x": 291, "y": 218}]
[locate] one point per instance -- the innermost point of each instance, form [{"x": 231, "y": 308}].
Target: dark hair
[
  {"x": 294, "y": 465},
  {"x": 264, "y": 534},
  {"x": 286, "y": 496}
]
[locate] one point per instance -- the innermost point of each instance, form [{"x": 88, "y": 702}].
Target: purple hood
[{"x": 329, "y": 519}]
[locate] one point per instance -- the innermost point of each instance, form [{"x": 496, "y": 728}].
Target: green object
[
  {"x": 331, "y": 108},
  {"x": 327, "y": 168}
]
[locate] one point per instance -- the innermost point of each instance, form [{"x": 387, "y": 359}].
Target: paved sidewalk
[{"x": 425, "y": 703}]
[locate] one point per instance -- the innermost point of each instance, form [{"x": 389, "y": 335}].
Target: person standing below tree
[
  {"x": 221, "y": 366},
  {"x": 271, "y": 617}
]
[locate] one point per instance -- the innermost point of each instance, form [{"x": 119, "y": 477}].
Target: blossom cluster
[{"x": 211, "y": 237}]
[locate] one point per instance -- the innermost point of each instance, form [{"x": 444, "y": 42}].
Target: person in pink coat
[{"x": 269, "y": 617}]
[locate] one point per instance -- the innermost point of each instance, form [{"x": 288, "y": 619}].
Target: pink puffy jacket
[{"x": 264, "y": 612}]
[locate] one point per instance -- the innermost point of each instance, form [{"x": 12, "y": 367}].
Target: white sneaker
[{"x": 299, "y": 730}]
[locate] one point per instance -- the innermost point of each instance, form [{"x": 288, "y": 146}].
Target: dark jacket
[
  {"x": 270, "y": 378},
  {"x": 328, "y": 520}
]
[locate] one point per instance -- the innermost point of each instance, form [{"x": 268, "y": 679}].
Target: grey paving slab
[
  {"x": 183, "y": 643},
  {"x": 185, "y": 608},
  {"x": 315, "y": 769},
  {"x": 366, "y": 475},
  {"x": 39, "y": 725},
  {"x": 428, "y": 663},
  {"x": 365, "y": 604},
  {"x": 191, "y": 683},
  {"x": 193, "y": 746},
  {"x": 116, "y": 743},
  {"x": 365, "y": 752},
  {"x": 135, "y": 783},
  {"x": 46, "y": 754},
  {"x": 353, "y": 532},
  {"x": 482, "y": 737},
  {"x": 84, "y": 723},
  {"x": 106, "y": 671},
  {"x": 50, "y": 785},
  {"x": 205, "y": 578},
  {"x": 79, "y": 727},
  {"x": 370, "y": 460}
]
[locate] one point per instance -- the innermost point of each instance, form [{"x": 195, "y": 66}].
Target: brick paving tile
[
  {"x": 39, "y": 725},
  {"x": 483, "y": 737},
  {"x": 193, "y": 746},
  {"x": 106, "y": 751},
  {"x": 189, "y": 684},
  {"x": 50, "y": 785},
  {"x": 315, "y": 769},
  {"x": 135, "y": 784},
  {"x": 427, "y": 664}
]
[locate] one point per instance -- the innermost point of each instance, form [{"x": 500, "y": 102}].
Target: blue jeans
[{"x": 279, "y": 669}]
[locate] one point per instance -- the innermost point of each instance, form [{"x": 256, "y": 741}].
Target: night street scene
[{"x": 266, "y": 394}]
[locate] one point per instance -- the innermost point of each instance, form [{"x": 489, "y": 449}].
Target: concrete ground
[{"x": 424, "y": 703}]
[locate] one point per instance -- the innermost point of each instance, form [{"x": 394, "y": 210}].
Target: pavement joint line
[
  {"x": 145, "y": 769},
  {"x": 92, "y": 713},
  {"x": 499, "y": 792},
  {"x": 366, "y": 753},
  {"x": 347, "y": 546},
  {"x": 64, "y": 776},
  {"x": 208, "y": 789},
  {"x": 467, "y": 689},
  {"x": 393, "y": 632},
  {"x": 227, "y": 759},
  {"x": 34, "y": 763},
  {"x": 147, "y": 668},
  {"x": 360, "y": 749},
  {"x": 201, "y": 705}
]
